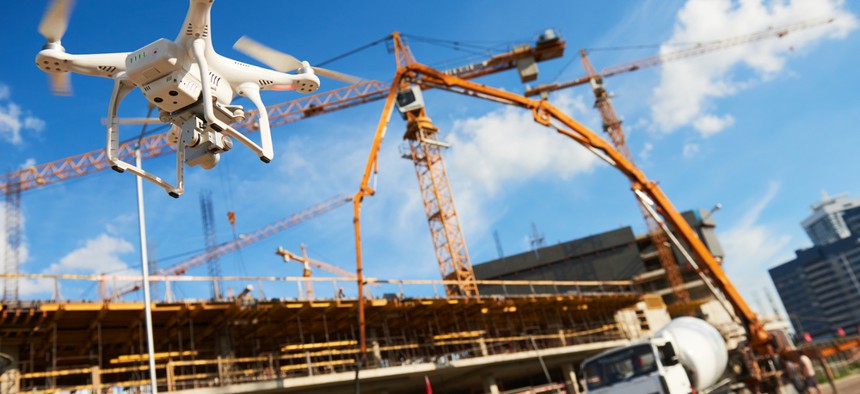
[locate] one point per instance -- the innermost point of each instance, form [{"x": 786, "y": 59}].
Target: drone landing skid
[
  {"x": 122, "y": 86},
  {"x": 198, "y": 142}
]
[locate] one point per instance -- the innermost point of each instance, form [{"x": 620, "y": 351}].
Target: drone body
[{"x": 191, "y": 85}]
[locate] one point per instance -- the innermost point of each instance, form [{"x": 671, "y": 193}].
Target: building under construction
[
  {"x": 481, "y": 333},
  {"x": 613, "y": 255},
  {"x": 64, "y": 346}
]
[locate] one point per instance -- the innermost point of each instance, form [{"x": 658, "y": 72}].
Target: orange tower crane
[
  {"x": 425, "y": 150},
  {"x": 445, "y": 230}
]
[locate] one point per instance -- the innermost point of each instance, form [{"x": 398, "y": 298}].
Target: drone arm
[
  {"x": 107, "y": 65},
  {"x": 198, "y": 49},
  {"x": 252, "y": 92},
  {"x": 121, "y": 87}
]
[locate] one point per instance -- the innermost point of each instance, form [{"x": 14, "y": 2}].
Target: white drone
[{"x": 190, "y": 83}]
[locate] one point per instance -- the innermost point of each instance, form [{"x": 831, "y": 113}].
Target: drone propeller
[
  {"x": 61, "y": 84},
  {"x": 55, "y": 21},
  {"x": 283, "y": 62},
  {"x": 53, "y": 26}
]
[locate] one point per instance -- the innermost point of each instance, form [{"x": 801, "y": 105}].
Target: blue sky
[{"x": 760, "y": 128}]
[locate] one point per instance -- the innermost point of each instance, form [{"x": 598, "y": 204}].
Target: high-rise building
[
  {"x": 831, "y": 219},
  {"x": 819, "y": 287}
]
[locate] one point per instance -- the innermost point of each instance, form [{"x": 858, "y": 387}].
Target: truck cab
[{"x": 641, "y": 368}]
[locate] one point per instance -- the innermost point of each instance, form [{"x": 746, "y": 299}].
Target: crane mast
[
  {"x": 612, "y": 127},
  {"x": 210, "y": 237}
]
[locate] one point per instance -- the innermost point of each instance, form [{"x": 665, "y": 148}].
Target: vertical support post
[
  {"x": 377, "y": 353},
  {"x": 96, "y": 374},
  {"x": 220, "y": 371},
  {"x": 482, "y": 344},
  {"x": 53, "y": 378},
  {"x": 171, "y": 379},
  {"x": 191, "y": 345},
  {"x": 828, "y": 373},
  {"x": 490, "y": 385},
  {"x": 144, "y": 263},
  {"x": 570, "y": 381},
  {"x": 99, "y": 333}
]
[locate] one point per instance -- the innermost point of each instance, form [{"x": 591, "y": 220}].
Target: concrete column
[
  {"x": 483, "y": 344},
  {"x": 377, "y": 353},
  {"x": 171, "y": 379},
  {"x": 570, "y": 380},
  {"x": 220, "y": 372},
  {"x": 490, "y": 386},
  {"x": 561, "y": 338},
  {"x": 96, "y": 374}
]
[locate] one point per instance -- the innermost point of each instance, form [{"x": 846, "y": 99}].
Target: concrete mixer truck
[{"x": 687, "y": 355}]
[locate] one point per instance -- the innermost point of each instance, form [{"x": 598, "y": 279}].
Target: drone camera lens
[{"x": 158, "y": 99}]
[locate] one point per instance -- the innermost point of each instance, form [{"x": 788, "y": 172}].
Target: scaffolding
[{"x": 94, "y": 345}]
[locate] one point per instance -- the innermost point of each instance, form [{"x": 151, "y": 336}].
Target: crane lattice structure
[
  {"x": 210, "y": 237},
  {"x": 246, "y": 239},
  {"x": 697, "y": 50},
  {"x": 12, "y": 255}
]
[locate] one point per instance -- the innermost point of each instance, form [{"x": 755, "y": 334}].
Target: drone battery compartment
[{"x": 156, "y": 70}]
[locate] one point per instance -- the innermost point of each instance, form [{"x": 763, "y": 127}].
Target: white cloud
[
  {"x": 690, "y": 150},
  {"x": 13, "y": 119},
  {"x": 31, "y": 287},
  {"x": 507, "y": 145},
  {"x": 29, "y": 163},
  {"x": 97, "y": 255},
  {"x": 709, "y": 125},
  {"x": 751, "y": 247},
  {"x": 688, "y": 88},
  {"x": 645, "y": 154}
]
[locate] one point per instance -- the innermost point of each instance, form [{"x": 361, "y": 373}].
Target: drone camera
[{"x": 203, "y": 145}]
